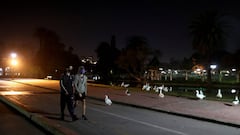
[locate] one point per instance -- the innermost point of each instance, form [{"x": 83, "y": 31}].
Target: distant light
[
  {"x": 13, "y": 55},
  {"x": 160, "y": 69},
  {"x": 234, "y": 69},
  {"x": 213, "y": 66},
  {"x": 198, "y": 69}
]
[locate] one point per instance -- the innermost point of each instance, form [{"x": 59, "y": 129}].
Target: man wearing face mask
[{"x": 66, "y": 96}]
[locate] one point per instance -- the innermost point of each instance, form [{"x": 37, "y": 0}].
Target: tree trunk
[{"x": 209, "y": 76}]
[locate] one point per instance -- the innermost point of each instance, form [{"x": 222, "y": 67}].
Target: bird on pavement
[
  {"x": 219, "y": 94},
  {"x": 127, "y": 92},
  {"x": 236, "y": 101},
  {"x": 108, "y": 100}
]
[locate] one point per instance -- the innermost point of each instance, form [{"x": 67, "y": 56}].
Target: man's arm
[
  {"x": 63, "y": 87},
  {"x": 75, "y": 83}
]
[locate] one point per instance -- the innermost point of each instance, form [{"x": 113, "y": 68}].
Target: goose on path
[{"x": 108, "y": 100}]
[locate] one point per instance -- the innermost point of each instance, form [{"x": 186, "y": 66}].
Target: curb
[{"x": 39, "y": 120}]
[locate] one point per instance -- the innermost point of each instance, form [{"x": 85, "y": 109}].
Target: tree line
[{"x": 208, "y": 30}]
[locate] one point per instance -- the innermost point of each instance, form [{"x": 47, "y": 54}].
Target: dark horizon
[{"x": 84, "y": 25}]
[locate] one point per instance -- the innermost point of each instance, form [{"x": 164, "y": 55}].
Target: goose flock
[{"x": 161, "y": 89}]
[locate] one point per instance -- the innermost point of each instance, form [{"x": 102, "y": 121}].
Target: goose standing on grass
[
  {"x": 160, "y": 92},
  {"x": 108, "y": 100},
  {"x": 124, "y": 85},
  {"x": 146, "y": 87},
  {"x": 155, "y": 88},
  {"x": 200, "y": 94},
  {"x": 233, "y": 91},
  {"x": 165, "y": 89},
  {"x": 170, "y": 89},
  {"x": 236, "y": 101},
  {"x": 219, "y": 94},
  {"x": 127, "y": 92}
]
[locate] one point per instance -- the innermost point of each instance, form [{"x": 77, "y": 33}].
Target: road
[
  {"x": 12, "y": 123},
  {"x": 116, "y": 119}
]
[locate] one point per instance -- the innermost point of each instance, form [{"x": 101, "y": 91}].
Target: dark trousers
[{"x": 66, "y": 100}]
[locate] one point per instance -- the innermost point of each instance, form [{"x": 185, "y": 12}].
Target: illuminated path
[{"x": 116, "y": 119}]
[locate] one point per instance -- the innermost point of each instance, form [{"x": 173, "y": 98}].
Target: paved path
[
  {"x": 214, "y": 111},
  {"x": 14, "y": 124}
]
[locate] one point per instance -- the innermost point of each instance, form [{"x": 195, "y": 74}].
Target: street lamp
[{"x": 13, "y": 55}]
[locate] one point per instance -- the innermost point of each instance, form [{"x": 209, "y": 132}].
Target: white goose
[
  {"x": 233, "y": 91},
  {"x": 170, "y": 89},
  {"x": 124, "y": 85},
  {"x": 146, "y": 87},
  {"x": 200, "y": 94},
  {"x": 165, "y": 89},
  {"x": 127, "y": 92},
  {"x": 160, "y": 93},
  {"x": 219, "y": 94},
  {"x": 155, "y": 88},
  {"x": 236, "y": 101},
  {"x": 107, "y": 100}
]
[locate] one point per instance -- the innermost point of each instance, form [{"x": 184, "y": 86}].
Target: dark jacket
[{"x": 66, "y": 84}]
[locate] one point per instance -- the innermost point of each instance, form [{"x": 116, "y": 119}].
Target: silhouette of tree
[
  {"x": 155, "y": 62},
  {"x": 207, "y": 30},
  {"x": 133, "y": 59},
  {"x": 107, "y": 55},
  {"x": 52, "y": 56}
]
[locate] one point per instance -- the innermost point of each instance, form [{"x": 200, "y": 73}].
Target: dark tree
[
  {"x": 52, "y": 57},
  {"x": 107, "y": 55},
  {"x": 207, "y": 30},
  {"x": 134, "y": 58},
  {"x": 155, "y": 61}
]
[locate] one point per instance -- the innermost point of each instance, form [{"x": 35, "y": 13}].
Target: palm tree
[{"x": 208, "y": 33}]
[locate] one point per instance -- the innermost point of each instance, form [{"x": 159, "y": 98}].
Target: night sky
[{"x": 83, "y": 25}]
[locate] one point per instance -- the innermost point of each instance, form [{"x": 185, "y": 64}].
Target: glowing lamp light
[
  {"x": 13, "y": 55},
  {"x": 14, "y": 62},
  {"x": 213, "y": 66}
]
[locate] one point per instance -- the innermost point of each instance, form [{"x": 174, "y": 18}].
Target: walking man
[
  {"x": 80, "y": 84},
  {"x": 66, "y": 94}
]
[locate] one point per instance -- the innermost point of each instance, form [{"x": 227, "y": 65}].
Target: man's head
[{"x": 81, "y": 70}]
